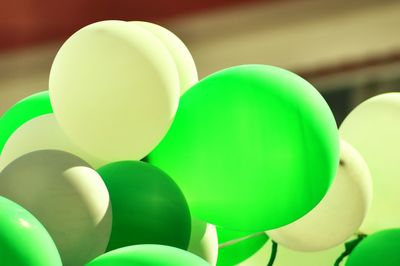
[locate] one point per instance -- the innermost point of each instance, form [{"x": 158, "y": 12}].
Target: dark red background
[{"x": 26, "y": 22}]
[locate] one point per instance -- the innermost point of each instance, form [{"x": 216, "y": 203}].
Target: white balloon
[
  {"x": 373, "y": 128},
  {"x": 42, "y": 133},
  {"x": 340, "y": 212},
  {"x": 67, "y": 197},
  {"x": 179, "y": 52},
  {"x": 204, "y": 241},
  {"x": 114, "y": 88}
]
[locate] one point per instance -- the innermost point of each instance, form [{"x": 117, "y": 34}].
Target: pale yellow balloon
[
  {"x": 373, "y": 128},
  {"x": 179, "y": 52},
  {"x": 42, "y": 133},
  {"x": 339, "y": 214},
  {"x": 288, "y": 257},
  {"x": 204, "y": 241},
  {"x": 114, "y": 88},
  {"x": 261, "y": 257},
  {"x": 67, "y": 197}
]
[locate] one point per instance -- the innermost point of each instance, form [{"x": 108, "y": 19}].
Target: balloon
[
  {"x": 148, "y": 207},
  {"x": 24, "y": 110},
  {"x": 238, "y": 248},
  {"x": 381, "y": 248},
  {"x": 183, "y": 59},
  {"x": 115, "y": 89},
  {"x": 23, "y": 239},
  {"x": 339, "y": 214},
  {"x": 41, "y": 133},
  {"x": 288, "y": 257},
  {"x": 373, "y": 128},
  {"x": 154, "y": 255},
  {"x": 253, "y": 148},
  {"x": 204, "y": 241},
  {"x": 67, "y": 196}
]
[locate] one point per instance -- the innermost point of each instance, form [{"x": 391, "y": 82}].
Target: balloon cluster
[{"x": 248, "y": 153}]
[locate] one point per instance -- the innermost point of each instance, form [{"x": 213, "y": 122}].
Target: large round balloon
[
  {"x": 24, "y": 110},
  {"x": 381, "y": 248},
  {"x": 373, "y": 128},
  {"x": 154, "y": 255},
  {"x": 114, "y": 88},
  {"x": 23, "y": 239},
  {"x": 67, "y": 196},
  {"x": 148, "y": 207},
  {"x": 204, "y": 241},
  {"x": 339, "y": 214},
  {"x": 183, "y": 59},
  {"x": 42, "y": 133},
  {"x": 253, "y": 147},
  {"x": 241, "y": 248}
]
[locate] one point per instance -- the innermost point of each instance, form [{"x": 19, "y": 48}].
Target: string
[
  {"x": 349, "y": 246},
  {"x": 273, "y": 253}
]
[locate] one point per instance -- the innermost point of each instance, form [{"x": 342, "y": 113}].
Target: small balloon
[
  {"x": 69, "y": 198},
  {"x": 148, "y": 206},
  {"x": 42, "y": 133},
  {"x": 340, "y": 213},
  {"x": 241, "y": 248},
  {"x": 204, "y": 241},
  {"x": 24, "y": 110},
  {"x": 253, "y": 148},
  {"x": 373, "y": 128},
  {"x": 23, "y": 239},
  {"x": 381, "y": 248},
  {"x": 183, "y": 59},
  {"x": 154, "y": 255}
]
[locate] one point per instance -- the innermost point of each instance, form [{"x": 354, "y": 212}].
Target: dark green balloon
[
  {"x": 148, "y": 255},
  {"x": 23, "y": 239},
  {"x": 23, "y": 111},
  {"x": 379, "y": 249},
  {"x": 237, "y": 247},
  {"x": 148, "y": 207},
  {"x": 252, "y": 147}
]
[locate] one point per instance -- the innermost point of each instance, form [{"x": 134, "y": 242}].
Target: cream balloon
[
  {"x": 179, "y": 52},
  {"x": 373, "y": 128},
  {"x": 67, "y": 197},
  {"x": 288, "y": 257},
  {"x": 204, "y": 241},
  {"x": 340, "y": 212},
  {"x": 261, "y": 257},
  {"x": 42, "y": 133},
  {"x": 114, "y": 88}
]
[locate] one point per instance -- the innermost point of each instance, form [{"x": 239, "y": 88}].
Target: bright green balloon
[
  {"x": 236, "y": 247},
  {"x": 252, "y": 147},
  {"x": 148, "y": 255},
  {"x": 23, "y": 111},
  {"x": 23, "y": 239},
  {"x": 381, "y": 248},
  {"x": 148, "y": 206}
]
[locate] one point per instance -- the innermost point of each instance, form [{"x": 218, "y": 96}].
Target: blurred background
[{"x": 349, "y": 49}]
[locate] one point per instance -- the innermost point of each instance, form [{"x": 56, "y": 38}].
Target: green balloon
[
  {"x": 148, "y": 255},
  {"x": 253, "y": 147},
  {"x": 24, "y": 110},
  {"x": 235, "y": 247},
  {"x": 381, "y": 248},
  {"x": 148, "y": 207},
  {"x": 23, "y": 239}
]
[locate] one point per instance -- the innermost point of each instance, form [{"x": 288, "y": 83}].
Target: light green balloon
[
  {"x": 114, "y": 88},
  {"x": 23, "y": 239},
  {"x": 183, "y": 59},
  {"x": 69, "y": 198},
  {"x": 42, "y": 133},
  {"x": 253, "y": 148},
  {"x": 149, "y": 255},
  {"x": 381, "y": 248},
  {"x": 204, "y": 241},
  {"x": 373, "y": 128},
  {"x": 24, "y": 110}
]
